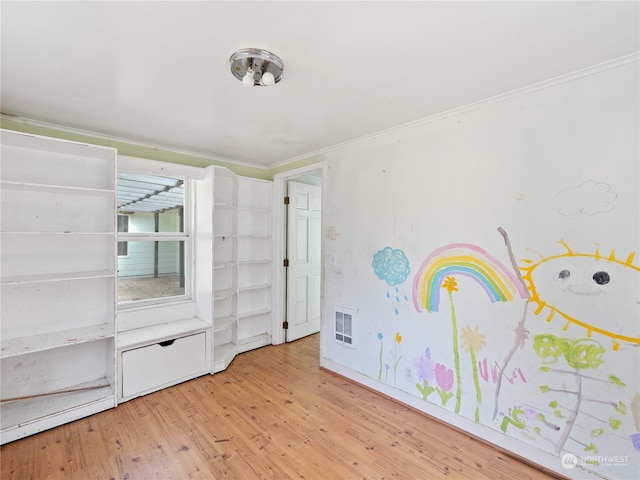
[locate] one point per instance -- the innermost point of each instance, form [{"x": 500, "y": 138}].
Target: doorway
[{"x": 298, "y": 241}]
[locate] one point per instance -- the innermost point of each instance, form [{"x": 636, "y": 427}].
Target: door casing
[{"x": 279, "y": 244}]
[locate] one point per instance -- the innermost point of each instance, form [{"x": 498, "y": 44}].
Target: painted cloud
[{"x": 590, "y": 198}]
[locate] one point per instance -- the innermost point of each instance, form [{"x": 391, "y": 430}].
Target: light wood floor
[{"x": 272, "y": 414}]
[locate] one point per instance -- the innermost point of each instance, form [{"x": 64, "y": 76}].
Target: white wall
[{"x": 546, "y": 377}]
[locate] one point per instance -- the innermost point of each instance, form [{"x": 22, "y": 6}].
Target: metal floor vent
[{"x": 344, "y": 323}]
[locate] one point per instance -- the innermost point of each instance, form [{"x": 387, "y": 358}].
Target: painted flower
[
  {"x": 450, "y": 284},
  {"x": 444, "y": 377},
  {"x": 472, "y": 339},
  {"x": 425, "y": 367},
  {"x": 398, "y": 337},
  {"x": 380, "y": 337}
]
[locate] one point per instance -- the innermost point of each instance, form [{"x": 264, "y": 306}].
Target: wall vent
[{"x": 344, "y": 331}]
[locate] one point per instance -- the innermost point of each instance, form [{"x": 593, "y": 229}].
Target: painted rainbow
[{"x": 466, "y": 260}]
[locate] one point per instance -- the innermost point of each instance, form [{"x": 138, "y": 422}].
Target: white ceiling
[{"x": 158, "y": 72}]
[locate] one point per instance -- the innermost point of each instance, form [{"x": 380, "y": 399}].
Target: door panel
[
  {"x": 302, "y": 301},
  {"x": 303, "y": 247},
  {"x": 302, "y": 239}
]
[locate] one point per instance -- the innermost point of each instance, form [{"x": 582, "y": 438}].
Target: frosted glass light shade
[{"x": 268, "y": 78}]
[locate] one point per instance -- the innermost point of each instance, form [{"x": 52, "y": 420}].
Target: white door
[{"x": 303, "y": 252}]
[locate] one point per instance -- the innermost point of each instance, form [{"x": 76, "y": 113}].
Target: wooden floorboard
[{"x": 273, "y": 414}]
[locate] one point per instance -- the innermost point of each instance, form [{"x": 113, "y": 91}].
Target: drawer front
[{"x": 162, "y": 364}]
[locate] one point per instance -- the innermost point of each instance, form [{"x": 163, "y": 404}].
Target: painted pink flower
[{"x": 444, "y": 377}]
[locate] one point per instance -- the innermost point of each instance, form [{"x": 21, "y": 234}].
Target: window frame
[{"x": 118, "y": 232}]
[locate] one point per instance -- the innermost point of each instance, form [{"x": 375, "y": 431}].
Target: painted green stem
[
  {"x": 476, "y": 382},
  {"x": 380, "y": 370},
  {"x": 456, "y": 354}
]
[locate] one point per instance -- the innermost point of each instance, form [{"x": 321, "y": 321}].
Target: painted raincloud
[
  {"x": 589, "y": 198},
  {"x": 391, "y": 265}
]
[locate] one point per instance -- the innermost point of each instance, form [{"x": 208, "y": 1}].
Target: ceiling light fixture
[{"x": 255, "y": 67}]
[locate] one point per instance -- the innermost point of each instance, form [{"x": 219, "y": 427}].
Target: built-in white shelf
[
  {"x": 255, "y": 265},
  {"x": 58, "y": 256},
  {"x": 225, "y": 271}
]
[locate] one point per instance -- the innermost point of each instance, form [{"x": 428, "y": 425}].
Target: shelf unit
[
  {"x": 58, "y": 256},
  {"x": 255, "y": 264},
  {"x": 225, "y": 268}
]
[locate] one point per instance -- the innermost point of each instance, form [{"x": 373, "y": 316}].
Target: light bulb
[
  {"x": 247, "y": 80},
  {"x": 268, "y": 78}
]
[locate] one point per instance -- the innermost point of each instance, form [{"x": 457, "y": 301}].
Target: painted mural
[
  {"x": 493, "y": 259},
  {"x": 553, "y": 386}
]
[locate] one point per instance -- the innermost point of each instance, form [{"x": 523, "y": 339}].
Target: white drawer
[{"x": 150, "y": 368}]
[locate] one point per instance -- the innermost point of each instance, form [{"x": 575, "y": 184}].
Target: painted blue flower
[{"x": 391, "y": 265}]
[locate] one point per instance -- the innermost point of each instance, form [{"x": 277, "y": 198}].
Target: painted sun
[{"x": 600, "y": 294}]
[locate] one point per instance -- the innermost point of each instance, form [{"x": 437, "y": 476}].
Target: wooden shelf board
[
  {"x": 48, "y": 186},
  {"x": 254, "y": 287},
  {"x": 66, "y": 232},
  {"x": 11, "y": 347},
  {"x": 158, "y": 333},
  {"x": 222, "y": 294},
  {"x": 253, "y": 313},
  {"x": 253, "y": 262},
  {"x": 223, "y": 354},
  {"x": 220, "y": 324},
  {"x": 25, "y": 417},
  {"x": 56, "y": 277},
  {"x": 255, "y": 341},
  {"x": 249, "y": 209},
  {"x": 224, "y": 264}
]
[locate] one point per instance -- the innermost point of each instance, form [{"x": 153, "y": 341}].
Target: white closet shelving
[
  {"x": 57, "y": 282},
  {"x": 225, "y": 268},
  {"x": 255, "y": 269},
  {"x": 242, "y": 265}
]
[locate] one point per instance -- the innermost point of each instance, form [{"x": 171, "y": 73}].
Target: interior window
[{"x": 153, "y": 240}]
